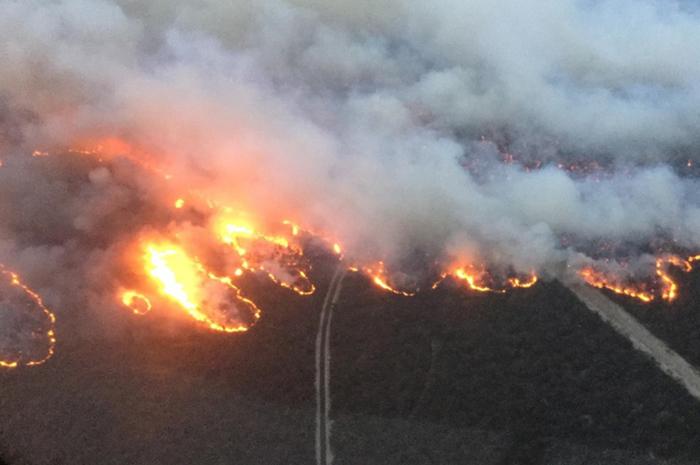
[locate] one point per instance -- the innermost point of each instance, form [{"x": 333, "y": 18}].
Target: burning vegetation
[
  {"x": 28, "y": 334},
  {"x": 193, "y": 260},
  {"x": 154, "y": 160},
  {"x": 661, "y": 286}
]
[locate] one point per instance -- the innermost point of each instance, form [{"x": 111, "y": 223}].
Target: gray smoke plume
[{"x": 527, "y": 135}]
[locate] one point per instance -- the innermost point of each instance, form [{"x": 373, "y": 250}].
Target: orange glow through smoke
[{"x": 279, "y": 256}]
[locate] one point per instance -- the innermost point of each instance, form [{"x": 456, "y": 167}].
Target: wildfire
[
  {"x": 476, "y": 279},
  {"x": 332, "y": 244},
  {"x": 137, "y": 302},
  {"x": 669, "y": 290},
  {"x": 294, "y": 227},
  {"x": 277, "y": 256},
  {"x": 523, "y": 283},
  {"x": 110, "y": 147},
  {"x": 472, "y": 280},
  {"x": 379, "y": 276},
  {"x": 19, "y": 298},
  {"x": 212, "y": 298},
  {"x": 666, "y": 288},
  {"x": 601, "y": 281},
  {"x": 209, "y": 299},
  {"x": 276, "y": 252}
]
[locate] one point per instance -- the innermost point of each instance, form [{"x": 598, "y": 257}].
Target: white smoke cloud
[{"x": 385, "y": 123}]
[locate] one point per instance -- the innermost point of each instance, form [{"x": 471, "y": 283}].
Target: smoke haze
[{"x": 527, "y": 135}]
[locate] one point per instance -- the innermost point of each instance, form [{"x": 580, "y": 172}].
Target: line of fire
[{"x": 196, "y": 271}]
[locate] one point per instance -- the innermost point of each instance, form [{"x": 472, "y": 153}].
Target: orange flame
[
  {"x": 137, "y": 302},
  {"x": 523, "y": 284},
  {"x": 471, "y": 278},
  {"x": 280, "y": 257},
  {"x": 601, "y": 281},
  {"x": 49, "y": 334},
  {"x": 379, "y": 276},
  {"x": 197, "y": 291},
  {"x": 275, "y": 256},
  {"x": 667, "y": 287},
  {"x": 333, "y": 244},
  {"x": 475, "y": 280},
  {"x": 669, "y": 290}
]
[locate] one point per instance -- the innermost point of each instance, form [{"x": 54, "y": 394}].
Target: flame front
[
  {"x": 669, "y": 290},
  {"x": 664, "y": 288},
  {"x": 380, "y": 277},
  {"x": 476, "y": 279},
  {"x": 276, "y": 256},
  {"x": 19, "y": 298},
  {"x": 213, "y": 299},
  {"x": 600, "y": 280},
  {"x": 209, "y": 299},
  {"x": 523, "y": 283},
  {"x": 472, "y": 279}
]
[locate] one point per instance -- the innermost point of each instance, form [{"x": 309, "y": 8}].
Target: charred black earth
[{"x": 449, "y": 376}]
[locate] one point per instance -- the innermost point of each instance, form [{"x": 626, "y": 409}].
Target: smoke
[{"x": 527, "y": 135}]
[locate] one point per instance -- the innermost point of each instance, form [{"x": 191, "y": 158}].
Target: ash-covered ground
[{"x": 447, "y": 377}]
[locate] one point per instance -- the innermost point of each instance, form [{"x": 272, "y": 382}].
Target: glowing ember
[
  {"x": 211, "y": 300},
  {"x": 32, "y": 325}
]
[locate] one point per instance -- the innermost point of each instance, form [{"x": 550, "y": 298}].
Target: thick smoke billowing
[{"x": 523, "y": 134}]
